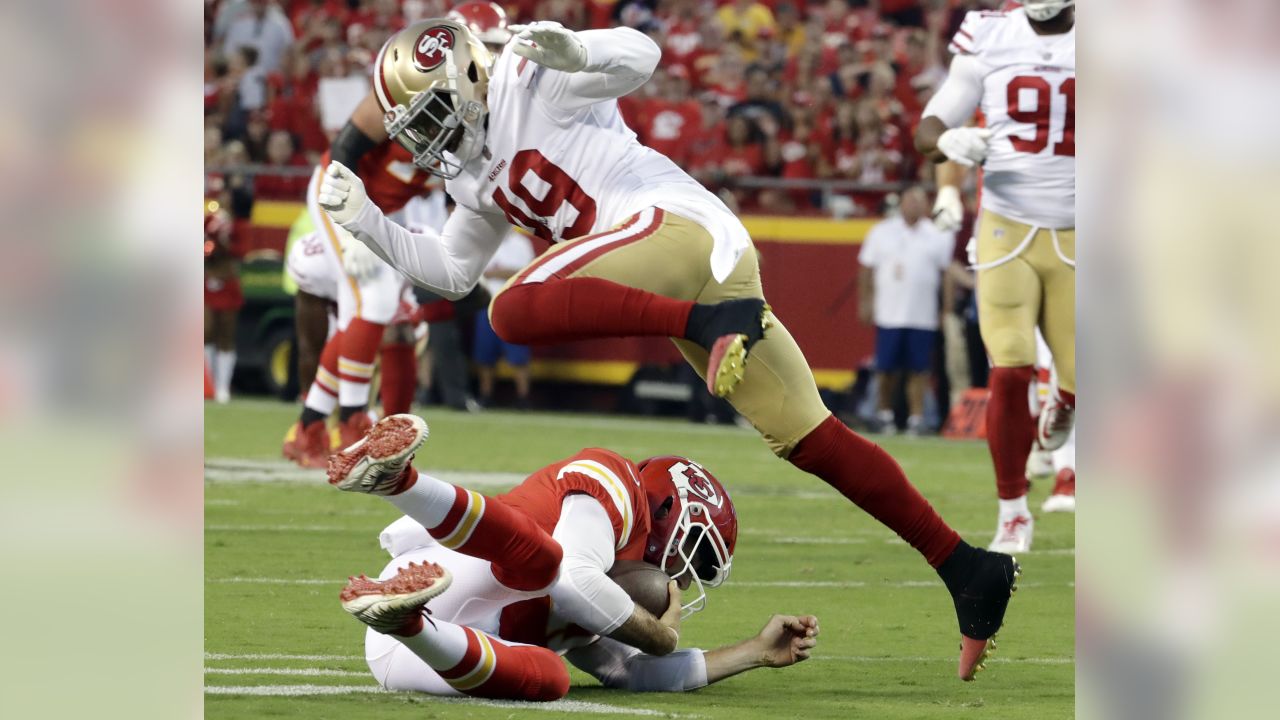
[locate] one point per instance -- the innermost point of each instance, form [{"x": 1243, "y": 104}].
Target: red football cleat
[
  {"x": 1063, "y": 498},
  {"x": 394, "y": 606},
  {"x": 311, "y": 445},
  {"x": 378, "y": 463},
  {"x": 352, "y": 429}
]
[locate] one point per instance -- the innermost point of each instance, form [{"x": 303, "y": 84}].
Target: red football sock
[
  {"x": 523, "y": 555},
  {"x": 1067, "y": 398},
  {"x": 492, "y": 669},
  {"x": 1010, "y": 429},
  {"x": 868, "y": 476},
  {"x": 584, "y": 308},
  {"x": 398, "y": 378},
  {"x": 360, "y": 342}
]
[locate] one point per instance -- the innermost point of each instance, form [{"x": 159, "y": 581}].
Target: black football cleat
[
  {"x": 728, "y": 330},
  {"x": 981, "y": 583}
]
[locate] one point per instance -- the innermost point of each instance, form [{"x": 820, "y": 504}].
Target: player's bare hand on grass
[
  {"x": 341, "y": 193},
  {"x": 787, "y": 640}
]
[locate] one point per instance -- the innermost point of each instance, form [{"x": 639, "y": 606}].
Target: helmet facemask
[
  {"x": 696, "y": 537},
  {"x": 441, "y": 130}
]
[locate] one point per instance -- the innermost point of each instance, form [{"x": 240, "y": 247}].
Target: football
[{"x": 645, "y": 583}]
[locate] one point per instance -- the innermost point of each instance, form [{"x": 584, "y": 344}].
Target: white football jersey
[
  {"x": 562, "y": 165},
  {"x": 1028, "y": 100}
]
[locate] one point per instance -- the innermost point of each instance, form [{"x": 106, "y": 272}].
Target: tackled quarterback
[{"x": 534, "y": 139}]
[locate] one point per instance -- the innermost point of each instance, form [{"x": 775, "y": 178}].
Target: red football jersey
[
  {"x": 604, "y": 475},
  {"x": 390, "y": 177}
]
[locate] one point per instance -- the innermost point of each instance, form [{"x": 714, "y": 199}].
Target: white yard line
[
  {"x": 559, "y": 706},
  {"x": 240, "y": 470},
  {"x": 307, "y": 672},
  {"x": 923, "y": 659},
  {"x": 282, "y": 656}
]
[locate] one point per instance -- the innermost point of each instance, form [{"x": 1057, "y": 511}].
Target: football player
[
  {"x": 1018, "y": 67},
  {"x": 641, "y": 250},
  {"x": 507, "y": 560},
  {"x": 370, "y": 292}
]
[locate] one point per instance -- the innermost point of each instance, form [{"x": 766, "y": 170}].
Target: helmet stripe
[{"x": 380, "y": 85}]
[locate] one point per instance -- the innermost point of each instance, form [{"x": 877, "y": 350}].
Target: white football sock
[
  {"x": 427, "y": 502},
  {"x": 209, "y": 356},
  {"x": 440, "y": 644},
  {"x": 223, "y": 368},
  {"x": 1017, "y": 506},
  {"x": 353, "y": 388},
  {"x": 320, "y": 400}
]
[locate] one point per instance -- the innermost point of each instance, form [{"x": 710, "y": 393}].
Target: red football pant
[
  {"x": 873, "y": 480},
  {"x": 1010, "y": 428}
]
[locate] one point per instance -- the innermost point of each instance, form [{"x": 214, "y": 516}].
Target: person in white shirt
[{"x": 902, "y": 261}]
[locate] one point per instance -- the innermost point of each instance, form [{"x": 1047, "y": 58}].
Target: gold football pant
[
  {"x": 1034, "y": 287},
  {"x": 666, "y": 254}
]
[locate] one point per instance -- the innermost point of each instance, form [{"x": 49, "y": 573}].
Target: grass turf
[{"x": 279, "y": 545}]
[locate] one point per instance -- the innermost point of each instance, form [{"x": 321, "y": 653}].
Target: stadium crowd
[{"x": 792, "y": 89}]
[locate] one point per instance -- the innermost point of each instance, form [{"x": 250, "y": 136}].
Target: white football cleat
[
  {"x": 1056, "y": 420},
  {"x": 378, "y": 463},
  {"x": 1013, "y": 534},
  {"x": 1063, "y": 498},
  {"x": 394, "y": 606},
  {"x": 1039, "y": 463}
]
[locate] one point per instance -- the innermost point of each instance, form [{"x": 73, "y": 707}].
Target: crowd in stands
[{"x": 792, "y": 89}]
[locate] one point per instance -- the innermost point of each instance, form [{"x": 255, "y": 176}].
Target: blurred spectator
[
  {"x": 262, "y": 26},
  {"x": 747, "y": 22},
  {"x": 281, "y": 154},
  {"x": 902, "y": 261},
  {"x": 513, "y": 255},
  {"x": 223, "y": 297}
]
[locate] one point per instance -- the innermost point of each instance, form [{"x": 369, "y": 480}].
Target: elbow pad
[{"x": 350, "y": 145}]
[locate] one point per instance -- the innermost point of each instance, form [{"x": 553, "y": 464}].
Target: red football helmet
[
  {"x": 694, "y": 525},
  {"x": 486, "y": 20}
]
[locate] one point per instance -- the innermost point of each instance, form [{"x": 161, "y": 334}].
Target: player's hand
[
  {"x": 359, "y": 261},
  {"x": 671, "y": 618},
  {"x": 967, "y": 146},
  {"x": 787, "y": 640},
  {"x": 341, "y": 194},
  {"x": 948, "y": 209},
  {"x": 550, "y": 44}
]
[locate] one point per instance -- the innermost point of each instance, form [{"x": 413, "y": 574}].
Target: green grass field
[{"x": 279, "y": 543}]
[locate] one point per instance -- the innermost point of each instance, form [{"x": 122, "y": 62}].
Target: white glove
[
  {"x": 551, "y": 45},
  {"x": 948, "y": 209},
  {"x": 341, "y": 193},
  {"x": 359, "y": 261},
  {"x": 967, "y": 146}
]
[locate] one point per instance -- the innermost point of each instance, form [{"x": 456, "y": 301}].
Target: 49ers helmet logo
[{"x": 433, "y": 43}]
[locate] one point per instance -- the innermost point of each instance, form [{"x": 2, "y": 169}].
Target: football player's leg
[
  {"x": 639, "y": 279},
  {"x": 311, "y": 319},
  {"x": 376, "y": 299},
  {"x": 399, "y": 368},
  {"x": 307, "y": 442},
  {"x": 779, "y": 397},
  {"x": 1058, "y": 324}
]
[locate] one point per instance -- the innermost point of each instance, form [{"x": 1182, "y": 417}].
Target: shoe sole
[
  {"x": 727, "y": 363},
  {"x": 372, "y": 607},
  {"x": 974, "y": 653},
  {"x": 391, "y": 442},
  {"x": 1059, "y": 504}
]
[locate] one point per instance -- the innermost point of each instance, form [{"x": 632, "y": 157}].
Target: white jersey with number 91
[{"x": 1025, "y": 85}]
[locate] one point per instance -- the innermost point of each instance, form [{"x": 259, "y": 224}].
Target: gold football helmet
[{"x": 431, "y": 80}]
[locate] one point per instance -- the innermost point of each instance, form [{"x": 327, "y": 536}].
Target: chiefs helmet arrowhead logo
[{"x": 433, "y": 43}]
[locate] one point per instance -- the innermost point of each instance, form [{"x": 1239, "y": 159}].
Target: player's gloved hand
[
  {"x": 341, "y": 193},
  {"x": 358, "y": 260},
  {"x": 948, "y": 209},
  {"x": 550, "y": 44},
  {"x": 787, "y": 639},
  {"x": 967, "y": 146}
]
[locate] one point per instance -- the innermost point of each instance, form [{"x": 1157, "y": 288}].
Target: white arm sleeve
[
  {"x": 619, "y": 61},
  {"x": 448, "y": 263},
  {"x": 583, "y": 593},
  {"x": 961, "y": 93},
  {"x": 617, "y": 665}
]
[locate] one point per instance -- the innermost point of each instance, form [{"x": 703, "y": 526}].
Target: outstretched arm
[
  {"x": 593, "y": 65},
  {"x": 785, "y": 640},
  {"x": 448, "y": 263}
]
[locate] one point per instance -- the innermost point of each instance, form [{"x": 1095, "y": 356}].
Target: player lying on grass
[
  {"x": 550, "y": 542},
  {"x": 535, "y": 139}
]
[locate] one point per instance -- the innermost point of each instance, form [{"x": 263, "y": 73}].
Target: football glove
[
  {"x": 341, "y": 193},
  {"x": 948, "y": 209},
  {"x": 551, "y": 45},
  {"x": 358, "y": 260},
  {"x": 967, "y": 146}
]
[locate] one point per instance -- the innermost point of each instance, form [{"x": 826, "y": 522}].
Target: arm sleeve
[
  {"x": 583, "y": 593},
  {"x": 619, "y": 60},
  {"x": 448, "y": 263},
  {"x": 961, "y": 93},
  {"x": 617, "y": 665}
]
